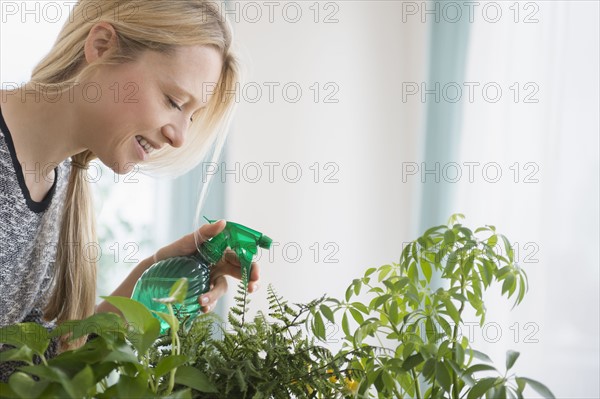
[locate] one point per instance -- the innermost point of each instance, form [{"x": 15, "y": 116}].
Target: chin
[{"x": 125, "y": 168}]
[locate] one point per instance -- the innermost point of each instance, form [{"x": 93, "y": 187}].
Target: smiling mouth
[{"x": 145, "y": 145}]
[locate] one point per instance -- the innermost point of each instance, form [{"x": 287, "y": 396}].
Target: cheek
[{"x": 140, "y": 112}]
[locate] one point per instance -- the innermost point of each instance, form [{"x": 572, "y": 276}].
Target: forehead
[{"x": 191, "y": 68}]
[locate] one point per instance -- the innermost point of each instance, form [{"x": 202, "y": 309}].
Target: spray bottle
[{"x": 157, "y": 280}]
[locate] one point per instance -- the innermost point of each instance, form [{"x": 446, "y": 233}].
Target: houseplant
[
  {"x": 424, "y": 356},
  {"x": 401, "y": 339}
]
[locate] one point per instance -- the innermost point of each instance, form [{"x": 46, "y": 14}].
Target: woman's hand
[{"x": 229, "y": 265}]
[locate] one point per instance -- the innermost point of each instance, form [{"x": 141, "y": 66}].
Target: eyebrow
[{"x": 185, "y": 93}]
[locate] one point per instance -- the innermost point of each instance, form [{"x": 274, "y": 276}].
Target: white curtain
[{"x": 533, "y": 158}]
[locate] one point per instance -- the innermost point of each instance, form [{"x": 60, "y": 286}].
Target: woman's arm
[{"x": 126, "y": 287}]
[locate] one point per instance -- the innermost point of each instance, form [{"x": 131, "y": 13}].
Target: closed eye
[
  {"x": 176, "y": 106},
  {"x": 173, "y": 104}
]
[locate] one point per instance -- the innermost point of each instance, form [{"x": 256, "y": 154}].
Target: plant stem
[
  {"x": 417, "y": 387},
  {"x": 455, "y": 338},
  {"x": 145, "y": 362},
  {"x": 174, "y": 351}
]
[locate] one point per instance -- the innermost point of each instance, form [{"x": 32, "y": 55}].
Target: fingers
[
  {"x": 210, "y": 230},
  {"x": 209, "y": 300},
  {"x": 253, "y": 284},
  {"x": 226, "y": 268},
  {"x": 230, "y": 265},
  {"x": 187, "y": 244}
]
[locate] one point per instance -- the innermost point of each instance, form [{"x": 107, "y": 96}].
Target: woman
[{"x": 148, "y": 83}]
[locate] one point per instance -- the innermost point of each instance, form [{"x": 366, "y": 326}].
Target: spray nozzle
[{"x": 242, "y": 240}]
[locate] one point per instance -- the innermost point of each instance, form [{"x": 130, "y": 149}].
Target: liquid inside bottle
[{"x": 156, "y": 282}]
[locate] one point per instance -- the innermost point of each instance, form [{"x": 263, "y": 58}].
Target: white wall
[{"x": 368, "y": 212}]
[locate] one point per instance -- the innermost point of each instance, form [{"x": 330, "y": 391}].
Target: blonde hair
[{"x": 157, "y": 25}]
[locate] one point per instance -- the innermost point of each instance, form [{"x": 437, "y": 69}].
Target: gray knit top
[{"x": 28, "y": 237}]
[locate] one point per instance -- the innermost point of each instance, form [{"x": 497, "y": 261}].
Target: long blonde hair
[{"x": 157, "y": 25}]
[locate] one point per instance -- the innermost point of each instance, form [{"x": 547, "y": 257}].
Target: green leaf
[
  {"x": 481, "y": 387},
  {"x": 24, "y": 354},
  {"x": 485, "y": 274},
  {"x": 430, "y": 330},
  {"x": 508, "y": 248},
  {"x": 538, "y": 387},
  {"x": 451, "y": 309},
  {"x": 480, "y": 367},
  {"x": 449, "y": 239},
  {"x": 511, "y": 358},
  {"x": 412, "y": 361},
  {"x": 429, "y": 368},
  {"x": 105, "y": 324},
  {"x": 361, "y": 307},
  {"x": 83, "y": 381},
  {"x": 122, "y": 353},
  {"x": 179, "y": 290},
  {"x": 145, "y": 327},
  {"x": 480, "y": 355},
  {"x": 6, "y": 391},
  {"x": 24, "y": 385},
  {"x": 388, "y": 381},
  {"x": 171, "y": 320},
  {"x": 345, "y": 326},
  {"x": 431, "y": 230},
  {"x": 132, "y": 387},
  {"x": 521, "y": 294},
  {"x": 32, "y": 335},
  {"x": 509, "y": 284},
  {"x": 52, "y": 374},
  {"x": 194, "y": 378},
  {"x": 492, "y": 240},
  {"x": 357, "y": 316},
  {"x": 445, "y": 326},
  {"x": 384, "y": 271},
  {"x": 380, "y": 300},
  {"x": 454, "y": 218},
  {"x": 426, "y": 268},
  {"x": 466, "y": 232},
  {"x": 393, "y": 313},
  {"x": 370, "y": 271},
  {"x": 442, "y": 375},
  {"x": 319, "y": 327},
  {"x": 102, "y": 370},
  {"x": 349, "y": 293},
  {"x": 168, "y": 363},
  {"x": 413, "y": 273},
  {"x": 184, "y": 394},
  {"x": 503, "y": 272},
  {"x": 499, "y": 392},
  {"x": 459, "y": 297},
  {"x": 327, "y": 313},
  {"x": 176, "y": 294}
]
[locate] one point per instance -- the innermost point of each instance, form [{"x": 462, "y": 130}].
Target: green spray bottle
[{"x": 157, "y": 280}]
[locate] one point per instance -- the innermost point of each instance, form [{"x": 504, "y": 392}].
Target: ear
[{"x": 102, "y": 37}]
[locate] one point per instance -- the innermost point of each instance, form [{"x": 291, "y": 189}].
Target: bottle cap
[{"x": 265, "y": 242}]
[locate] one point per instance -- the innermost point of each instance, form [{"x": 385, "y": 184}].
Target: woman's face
[{"x": 129, "y": 110}]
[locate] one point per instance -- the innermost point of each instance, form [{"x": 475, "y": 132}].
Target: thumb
[{"x": 210, "y": 230}]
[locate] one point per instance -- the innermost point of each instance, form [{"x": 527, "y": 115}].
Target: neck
[{"x": 43, "y": 125}]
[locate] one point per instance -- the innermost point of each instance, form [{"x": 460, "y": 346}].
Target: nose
[{"x": 174, "y": 134}]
